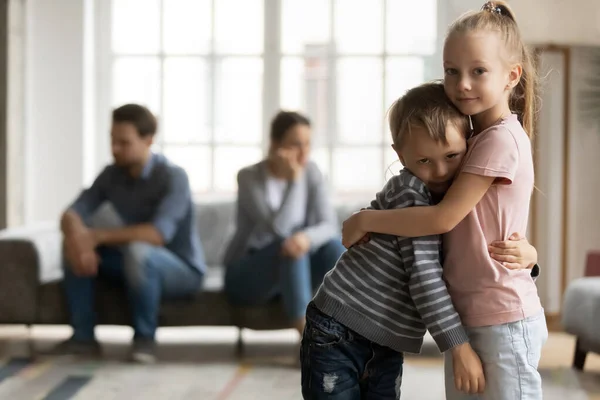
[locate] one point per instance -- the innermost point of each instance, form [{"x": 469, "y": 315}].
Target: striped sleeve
[
  {"x": 426, "y": 285},
  {"x": 430, "y": 294}
]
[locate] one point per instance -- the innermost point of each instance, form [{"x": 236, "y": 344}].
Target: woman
[{"x": 286, "y": 238}]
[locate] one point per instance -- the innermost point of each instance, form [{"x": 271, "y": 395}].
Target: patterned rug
[{"x": 65, "y": 378}]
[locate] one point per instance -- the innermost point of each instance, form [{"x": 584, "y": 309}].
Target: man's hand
[
  {"x": 514, "y": 253},
  {"x": 468, "y": 372},
  {"x": 80, "y": 251},
  {"x": 296, "y": 245}
]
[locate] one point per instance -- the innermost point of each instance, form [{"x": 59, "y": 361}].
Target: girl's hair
[
  {"x": 283, "y": 121},
  {"x": 497, "y": 16},
  {"x": 425, "y": 106}
]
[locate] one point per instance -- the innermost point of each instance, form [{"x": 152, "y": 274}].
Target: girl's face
[{"x": 477, "y": 77}]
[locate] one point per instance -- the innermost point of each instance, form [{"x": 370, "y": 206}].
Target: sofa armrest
[{"x": 29, "y": 257}]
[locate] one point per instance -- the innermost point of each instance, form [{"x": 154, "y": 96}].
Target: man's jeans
[
  {"x": 338, "y": 363},
  {"x": 147, "y": 272}
]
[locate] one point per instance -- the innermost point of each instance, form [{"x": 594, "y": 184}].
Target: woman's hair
[
  {"x": 425, "y": 106},
  {"x": 496, "y": 16},
  {"x": 283, "y": 121}
]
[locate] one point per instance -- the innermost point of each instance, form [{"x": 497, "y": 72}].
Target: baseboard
[{"x": 553, "y": 322}]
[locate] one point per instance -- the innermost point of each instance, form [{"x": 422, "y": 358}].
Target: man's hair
[
  {"x": 425, "y": 106},
  {"x": 137, "y": 115}
]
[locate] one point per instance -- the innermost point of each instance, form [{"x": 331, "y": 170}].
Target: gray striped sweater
[{"x": 390, "y": 290}]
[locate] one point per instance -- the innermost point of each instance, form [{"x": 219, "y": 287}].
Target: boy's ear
[{"x": 399, "y": 154}]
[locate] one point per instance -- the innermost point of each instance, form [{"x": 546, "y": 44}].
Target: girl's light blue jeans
[{"x": 510, "y": 354}]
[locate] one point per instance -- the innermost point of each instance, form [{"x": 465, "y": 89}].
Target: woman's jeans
[{"x": 264, "y": 274}]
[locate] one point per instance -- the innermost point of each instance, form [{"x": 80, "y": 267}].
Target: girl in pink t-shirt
[{"x": 489, "y": 76}]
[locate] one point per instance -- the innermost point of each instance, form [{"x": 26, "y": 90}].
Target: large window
[{"x": 215, "y": 71}]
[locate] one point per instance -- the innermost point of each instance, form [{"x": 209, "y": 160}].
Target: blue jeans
[
  {"x": 510, "y": 354},
  {"x": 339, "y": 364},
  {"x": 264, "y": 274},
  {"x": 147, "y": 272}
]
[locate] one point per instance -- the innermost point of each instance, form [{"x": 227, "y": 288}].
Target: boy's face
[{"x": 433, "y": 162}]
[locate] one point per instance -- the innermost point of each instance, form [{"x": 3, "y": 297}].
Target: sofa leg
[
  {"x": 30, "y": 342},
  {"x": 239, "y": 347},
  {"x": 579, "y": 357}
]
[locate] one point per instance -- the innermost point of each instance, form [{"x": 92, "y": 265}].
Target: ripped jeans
[{"x": 339, "y": 364}]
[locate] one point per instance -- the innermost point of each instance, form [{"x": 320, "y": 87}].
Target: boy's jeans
[
  {"x": 340, "y": 364},
  {"x": 510, "y": 354}
]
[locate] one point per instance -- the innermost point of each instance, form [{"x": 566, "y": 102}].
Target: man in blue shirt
[{"x": 134, "y": 225}]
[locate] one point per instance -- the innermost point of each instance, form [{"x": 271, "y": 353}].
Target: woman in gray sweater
[{"x": 287, "y": 234}]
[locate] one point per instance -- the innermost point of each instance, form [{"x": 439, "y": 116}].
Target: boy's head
[
  {"x": 132, "y": 134},
  {"x": 429, "y": 135}
]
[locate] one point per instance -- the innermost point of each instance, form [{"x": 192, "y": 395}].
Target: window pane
[
  {"x": 359, "y": 100},
  {"x": 239, "y": 100},
  {"x": 137, "y": 80},
  {"x": 305, "y": 87},
  {"x": 304, "y": 23},
  {"x": 402, "y": 74},
  {"x": 229, "y": 160},
  {"x": 321, "y": 157},
  {"x": 135, "y": 26},
  {"x": 196, "y": 162},
  {"x": 366, "y": 175},
  {"x": 292, "y": 83},
  {"x": 239, "y": 26},
  {"x": 186, "y": 89},
  {"x": 187, "y": 26},
  {"x": 411, "y": 26},
  {"x": 358, "y": 26}
]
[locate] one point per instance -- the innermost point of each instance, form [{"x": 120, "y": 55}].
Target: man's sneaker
[
  {"x": 144, "y": 351},
  {"x": 75, "y": 347}
]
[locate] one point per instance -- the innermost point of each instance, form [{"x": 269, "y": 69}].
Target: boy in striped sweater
[{"x": 383, "y": 294}]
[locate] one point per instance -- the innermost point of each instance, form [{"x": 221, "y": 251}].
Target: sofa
[
  {"x": 31, "y": 274},
  {"x": 581, "y": 310}
]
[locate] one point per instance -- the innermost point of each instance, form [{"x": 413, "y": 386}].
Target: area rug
[{"x": 65, "y": 378}]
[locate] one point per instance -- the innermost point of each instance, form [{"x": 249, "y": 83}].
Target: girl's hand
[
  {"x": 514, "y": 253},
  {"x": 352, "y": 231}
]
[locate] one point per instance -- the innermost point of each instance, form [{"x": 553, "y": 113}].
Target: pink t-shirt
[{"x": 485, "y": 292}]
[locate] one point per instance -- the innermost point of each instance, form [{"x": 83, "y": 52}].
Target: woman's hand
[
  {"x": 514, "y": 253},
  {"x": 286, "y": 162},
  {"x": 296, "y": 245},
  {"x": 352, "y": 232}
]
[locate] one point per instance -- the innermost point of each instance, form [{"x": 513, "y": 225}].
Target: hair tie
[{"x": 490, "y": 6}]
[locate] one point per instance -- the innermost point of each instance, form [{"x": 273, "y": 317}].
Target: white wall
[
  {"x": 584, "y": 173},
  {"x": 55, "y": 106},
  {"x": 561, "y": 22}
]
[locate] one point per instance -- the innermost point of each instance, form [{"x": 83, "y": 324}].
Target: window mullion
[
  {"x": 212, "y": 100},
  {"x": 271, "y": 66}
]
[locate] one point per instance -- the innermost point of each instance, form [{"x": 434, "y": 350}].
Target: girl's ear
[{"x": 514, "y": 76}]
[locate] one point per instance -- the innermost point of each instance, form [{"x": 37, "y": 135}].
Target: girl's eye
[
  {"x": 450, "y": 71},
  {"x": 423, "y": 161},
  {"x": 479, "y": 71},
  {"x": 451, "y": 156}
]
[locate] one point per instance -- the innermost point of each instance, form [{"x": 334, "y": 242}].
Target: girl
[{"x": 488, "y": 76}]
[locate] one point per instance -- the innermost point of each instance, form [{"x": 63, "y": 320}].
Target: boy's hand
[
  {"x": 514, "y": 253},
  {"x": 468, "y": 372}
]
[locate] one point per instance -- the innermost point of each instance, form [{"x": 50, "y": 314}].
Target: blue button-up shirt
[{"x": 161, "y": 196}]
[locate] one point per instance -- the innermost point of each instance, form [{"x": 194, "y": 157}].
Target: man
[{"x": 134, "y": 225}]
